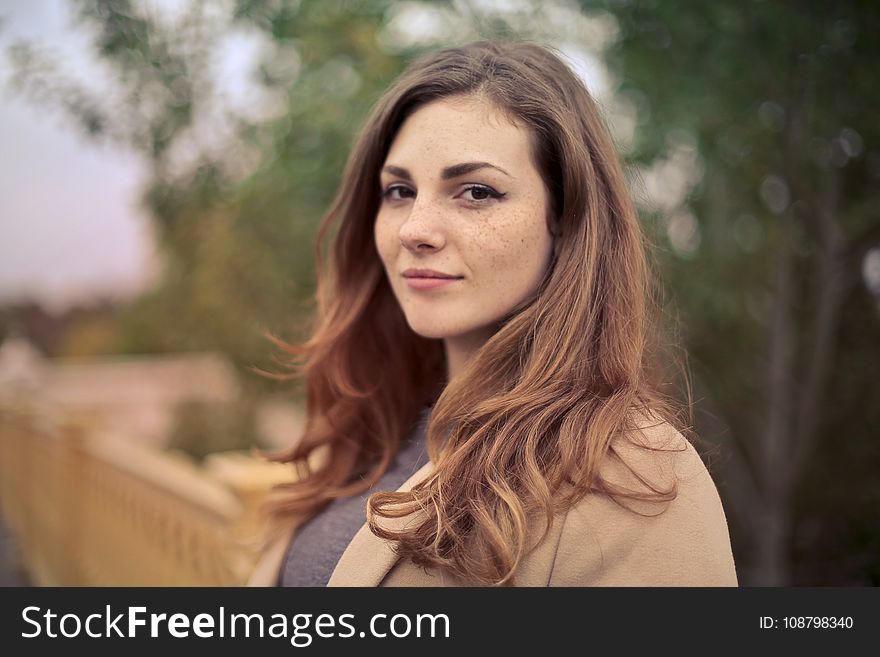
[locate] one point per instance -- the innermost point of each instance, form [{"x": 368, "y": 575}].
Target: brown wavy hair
[{"x": 519, "y": 435}]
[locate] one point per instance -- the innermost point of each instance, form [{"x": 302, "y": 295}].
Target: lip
[{"x": 428, "y": 279}]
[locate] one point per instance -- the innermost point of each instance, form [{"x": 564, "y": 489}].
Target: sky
[{"x": 70, "y": 226}]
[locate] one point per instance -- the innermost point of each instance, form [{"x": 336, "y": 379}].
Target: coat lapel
[{"x": 368, "y": 558}]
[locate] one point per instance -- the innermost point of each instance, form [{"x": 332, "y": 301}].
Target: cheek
[
  {"x": 384, "y": 239},
  {"x": 518, "y": 251},
  {"x": 528, "y": 261}
]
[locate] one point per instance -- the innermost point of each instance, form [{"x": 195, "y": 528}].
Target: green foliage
[
  {"x": 203, "y": 428},
  {"x": 774, "y": 98},
  {"x": 236, "y": 242}
]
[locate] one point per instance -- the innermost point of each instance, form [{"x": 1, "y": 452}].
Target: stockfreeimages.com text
[{"x": 300, "y": 629}]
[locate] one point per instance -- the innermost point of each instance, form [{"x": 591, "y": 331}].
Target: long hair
[{"x": 520, "y": 434}]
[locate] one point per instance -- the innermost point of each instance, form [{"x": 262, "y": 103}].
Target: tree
[
  {"x": 776, "y": 100},
  {"x": 235, "y": 196}
]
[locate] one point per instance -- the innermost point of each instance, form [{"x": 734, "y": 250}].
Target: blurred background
[{"x": 163, "y": 166}]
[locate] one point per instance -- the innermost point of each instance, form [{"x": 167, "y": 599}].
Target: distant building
[{"x": 136, "y": 395}]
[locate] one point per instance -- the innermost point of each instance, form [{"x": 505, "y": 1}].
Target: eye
[
  {"x": 397, "y": 193},
  {"x": 480, "y": 193}
]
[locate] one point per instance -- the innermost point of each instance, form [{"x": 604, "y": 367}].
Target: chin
[
  {"x": 426, "y": 328},
  {"x": 430, "y": 332}
]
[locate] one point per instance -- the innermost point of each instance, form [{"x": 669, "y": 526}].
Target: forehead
[{"x": 454, "y": 130}]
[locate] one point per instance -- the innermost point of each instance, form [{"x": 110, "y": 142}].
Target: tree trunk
[{"x": 770, "y": 566}]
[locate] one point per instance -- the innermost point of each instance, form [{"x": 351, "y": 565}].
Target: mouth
[
  {"x": 428, "y": 279},
  {"x": 429, "y": 273}
]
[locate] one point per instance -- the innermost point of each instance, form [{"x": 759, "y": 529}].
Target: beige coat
[{"x": 597, "y": 542}]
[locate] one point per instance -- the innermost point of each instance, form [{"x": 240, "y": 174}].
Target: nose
[{"x": 423, "y": 231}]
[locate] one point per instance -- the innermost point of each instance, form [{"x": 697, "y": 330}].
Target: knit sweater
[{"x": 315, "y": 549}]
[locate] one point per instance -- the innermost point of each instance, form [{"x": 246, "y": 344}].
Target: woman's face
[{"x": 462, "y": 225}]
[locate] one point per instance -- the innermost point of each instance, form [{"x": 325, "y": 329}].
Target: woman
[{"x": 479, "y": 410}]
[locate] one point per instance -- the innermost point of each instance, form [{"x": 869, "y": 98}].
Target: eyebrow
[{"x": 450, "y": 172}]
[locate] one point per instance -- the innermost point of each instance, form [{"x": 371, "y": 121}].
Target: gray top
[{"x": 316, "y": 548}]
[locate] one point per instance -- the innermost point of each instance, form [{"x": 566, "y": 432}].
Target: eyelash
[{"x": 492, "y": 195}]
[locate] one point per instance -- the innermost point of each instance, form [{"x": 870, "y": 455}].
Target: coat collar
[{"x": 368, "y": 558}]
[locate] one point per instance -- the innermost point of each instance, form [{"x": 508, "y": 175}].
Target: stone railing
[{"x": 91, "y": 509}]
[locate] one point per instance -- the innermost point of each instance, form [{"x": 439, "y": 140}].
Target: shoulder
[{"x": 681, "y": 539}]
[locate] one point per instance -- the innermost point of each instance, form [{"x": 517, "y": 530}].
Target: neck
[{"x": 460, "y": 349}]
